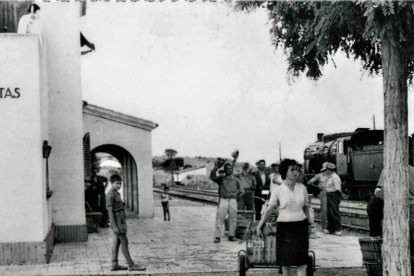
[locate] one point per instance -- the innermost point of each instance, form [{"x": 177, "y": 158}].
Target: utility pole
[
  {"x": 171, "y": 153},
  {"x": 280, "y": 152},
  {"x": 373, "y": 120}
]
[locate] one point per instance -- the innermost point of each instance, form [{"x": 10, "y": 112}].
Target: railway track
[{"x": 353, "y": 213}]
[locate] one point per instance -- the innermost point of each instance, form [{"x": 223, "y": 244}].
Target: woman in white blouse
[{"x": 292, "y": 238}]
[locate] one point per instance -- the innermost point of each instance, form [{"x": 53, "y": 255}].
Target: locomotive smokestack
[{"x": 319, "y": 137}]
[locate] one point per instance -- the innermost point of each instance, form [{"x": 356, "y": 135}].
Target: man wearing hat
[
  {"x": 333, "y": 198},
  {"x": 262, "y": 183},
  {"x": 329, "y": 184}
]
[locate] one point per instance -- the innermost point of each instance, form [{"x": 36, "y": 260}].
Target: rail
[{"x": 353, "y": 213}]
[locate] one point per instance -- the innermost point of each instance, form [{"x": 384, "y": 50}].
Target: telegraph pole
[
  {"x": 373, "y": 120},
  {"x": 280, "y": 152}
]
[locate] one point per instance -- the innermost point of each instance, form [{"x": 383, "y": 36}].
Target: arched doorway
[{"x": 129, "y": 173}]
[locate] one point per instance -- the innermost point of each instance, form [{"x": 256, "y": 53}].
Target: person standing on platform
[
  {"x": 262, "y": 183},
  {"x": 117, "y": 218},
  {"x": 92, "y": 198},
  {"x": 375, "y": 210},
  {"x": 330, "y": 182},
  {"x": 275, "y": 179},
  {"x": 101, "y": 187},
  {"x": 248, "y": 186},
  {"x": 293, "y": 221},
  {"x": 165, "y": 198},
  {"x": 31, "y": 23},
  {"x": 229, "y": 189},
  {"x": 322, "y": 179},
  {"x": 333, "y": 199}
]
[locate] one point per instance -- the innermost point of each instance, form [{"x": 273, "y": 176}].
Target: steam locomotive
[{"x": 358, "y": 157}]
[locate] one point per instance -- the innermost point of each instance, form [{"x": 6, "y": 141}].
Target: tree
[{"x": 379, "y": 34}]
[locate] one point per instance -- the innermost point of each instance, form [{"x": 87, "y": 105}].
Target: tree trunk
[{"x": 395, "y": 248}]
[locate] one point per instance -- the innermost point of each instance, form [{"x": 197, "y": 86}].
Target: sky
[{"x": 213, "y": 81}]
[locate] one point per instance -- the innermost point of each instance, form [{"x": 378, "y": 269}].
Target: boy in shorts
[{"x": 117, "y": 218}]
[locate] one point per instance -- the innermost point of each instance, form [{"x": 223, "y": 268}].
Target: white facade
[
  {"x": 22, "y": 102},
  {"x": 62, "y": 32}
]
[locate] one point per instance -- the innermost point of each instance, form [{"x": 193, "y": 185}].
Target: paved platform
[{"x": 183, "y": 246}]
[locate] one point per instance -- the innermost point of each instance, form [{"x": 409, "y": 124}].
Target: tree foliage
[{"x": 311, "y": 32}]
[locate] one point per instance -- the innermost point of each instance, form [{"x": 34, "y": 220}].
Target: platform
[{"x": 182, "y": 246}]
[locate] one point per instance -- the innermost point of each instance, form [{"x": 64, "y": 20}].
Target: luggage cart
[{"x": 261, "y": 251}]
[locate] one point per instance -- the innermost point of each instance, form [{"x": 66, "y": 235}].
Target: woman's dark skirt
[{"x": 292, "y": 243}]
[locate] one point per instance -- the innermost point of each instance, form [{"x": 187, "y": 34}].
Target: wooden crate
[
  {"x": 373, "y": 268},
  {"x": 261, "y": 250},
  {"x": 371, "y": 249}
]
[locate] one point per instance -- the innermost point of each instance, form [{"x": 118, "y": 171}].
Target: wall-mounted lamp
[
  {"x": 46, "y": 152},
  {"x": 46, "y": 149}
]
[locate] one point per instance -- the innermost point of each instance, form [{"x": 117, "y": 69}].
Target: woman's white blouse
[{"x": 290, "y": 203}]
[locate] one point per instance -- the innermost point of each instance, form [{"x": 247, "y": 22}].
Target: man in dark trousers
[
  {"x": 100, "y": 184},
  {"x": 262, "y": 183}
]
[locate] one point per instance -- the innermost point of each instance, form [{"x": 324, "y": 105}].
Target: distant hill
[
  {"x": 162, "y": 177},
  {"x": 196, "y": 162}
]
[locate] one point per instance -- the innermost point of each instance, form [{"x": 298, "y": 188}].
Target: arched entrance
[
  {"x": 129, "y": 173},
  {"x": 128, "y": 139}
]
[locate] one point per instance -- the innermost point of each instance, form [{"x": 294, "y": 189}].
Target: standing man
[
  {"x": 330, "y": 195},
  {"x": 229, "y": 189},
  {"x": 262, "y": 183},
  {"x": 333, "y": 198},
  {"x": 92, "y": 198},
  {"x": 101, "y": 187},
  {"x": 248, "y": 186},
  {"x": 275, "y": 178}
]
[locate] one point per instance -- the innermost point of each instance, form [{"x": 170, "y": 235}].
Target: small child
[
  {"x": 165, "y": 197},
  {"x": 117, "y": 219}
]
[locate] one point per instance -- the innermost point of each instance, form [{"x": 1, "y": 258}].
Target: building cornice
[{"x": 118, "y": 117}]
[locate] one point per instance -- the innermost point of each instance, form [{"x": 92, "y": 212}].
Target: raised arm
[
  {"x": 235, "y": 155},
  {"x": 213, "y": 173}
]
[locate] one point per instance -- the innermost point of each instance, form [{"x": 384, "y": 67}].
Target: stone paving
[{"x": 182, "y": 246}]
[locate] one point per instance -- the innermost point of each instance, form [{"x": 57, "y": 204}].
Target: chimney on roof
[{"x": 319, "y": 137}]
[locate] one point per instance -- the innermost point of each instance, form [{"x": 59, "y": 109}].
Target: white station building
[{"x": 42, "y": 195}]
